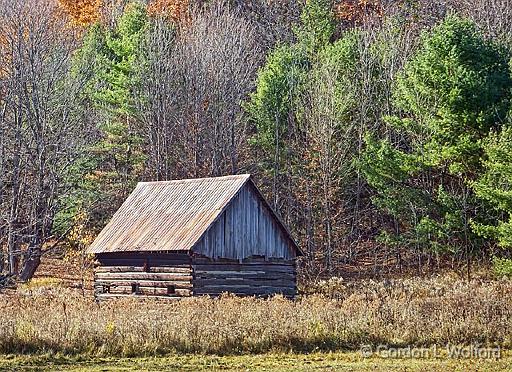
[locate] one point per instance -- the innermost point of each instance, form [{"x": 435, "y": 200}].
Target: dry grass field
[
  {"x": 53, "y": 323},
  {"x": 47, "y": 317}
]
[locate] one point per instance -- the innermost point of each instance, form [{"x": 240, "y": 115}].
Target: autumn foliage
[
  {"x": 357, "y": 11},
  {"x": 175, "y": 10},
  {"x": 82, "y": 12},
  {"x": 86, "y": 12}
]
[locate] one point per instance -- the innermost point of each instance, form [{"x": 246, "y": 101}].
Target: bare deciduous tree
[
  {"x": 192, "y": 90},
  {"x": 42, "y": 132},
  {"x": 494, "y": 17}
]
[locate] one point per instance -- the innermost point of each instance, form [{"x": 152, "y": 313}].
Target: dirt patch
[{"x": 67, "y": 273}]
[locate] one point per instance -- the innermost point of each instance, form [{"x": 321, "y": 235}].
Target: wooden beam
[
  {"x": 237, "y": 274},
  {"x": 247, "y": 261},
  {"x": 149, "y": 291},
  {"x": 107, "y": 296},
  {"x": 242, "y": 267},
  {"x": 217, "y": 290},
  {"x": 152, "y": 269},
  {"x": 144, "y": 276},
  {"x": 231, "y": 282},
  {"x": 146, "y": 283}
]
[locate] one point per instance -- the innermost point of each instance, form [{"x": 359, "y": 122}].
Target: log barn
[{"x": 172, "y": 239}]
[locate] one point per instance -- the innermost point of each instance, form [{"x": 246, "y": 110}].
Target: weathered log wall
[
  {"x": 173, "y": 276},
  {"x": 166, "y": 276},
  {"x": 252, "y": 276}
]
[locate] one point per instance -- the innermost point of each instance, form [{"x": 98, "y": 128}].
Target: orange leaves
[
  {"x": 86, "y": 12},
  {"x": 26, "y": 21},
  {"x": 175, "y": 10},
  {"x": 82, "y": 12},
  {"x": 357, "y": 11}
]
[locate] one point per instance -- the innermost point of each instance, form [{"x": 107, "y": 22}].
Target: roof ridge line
[{"x": 187, "y": 180}]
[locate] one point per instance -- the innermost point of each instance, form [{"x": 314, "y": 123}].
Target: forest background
[{"x": 379, "y": 130}]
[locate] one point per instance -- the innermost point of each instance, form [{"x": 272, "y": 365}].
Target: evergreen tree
[
  {"x": 326, "y": 116},
  {"x": 452, "y": 92},
  {"x": 281, "y": 80},
  {"x": 274, "y": 106},
  {"x": 109, "y": 59},
  {"x": 495, "y": 186},
  {"x": 316, "y": 27},
  {"x": 120, "y": 147},
  {"x": 304, "y": 112}
]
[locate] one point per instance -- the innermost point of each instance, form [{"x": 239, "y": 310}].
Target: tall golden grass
[{"x": 399, "y": 312}]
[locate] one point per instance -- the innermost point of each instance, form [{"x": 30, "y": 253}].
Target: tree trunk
[
  {"x": 12, "y": 236},
  {"x": 31, "y": 264}
]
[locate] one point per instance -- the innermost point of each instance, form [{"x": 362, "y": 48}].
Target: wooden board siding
[
  {"x": 246, "y": 228},
  {"x": 253, "y": 276},
  {"x": 152, "y": 274}
]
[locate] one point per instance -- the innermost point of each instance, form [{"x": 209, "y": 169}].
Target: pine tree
[
  {"x": 495, "y": 186},
  {"x": 454, "y": 90},
  {"x": 273, "y": 107},
  {"x": 110, "y": 59}
]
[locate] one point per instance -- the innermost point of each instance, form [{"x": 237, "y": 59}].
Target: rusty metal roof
[{"x": 168, "y": 215}]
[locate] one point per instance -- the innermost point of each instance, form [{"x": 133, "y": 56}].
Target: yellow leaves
[
  {"x": 42, "y": 282},
  {"x": 110, "y": 328},
  {"x": 79, "y": 238},
  {"x": 83, "y": 13},
  {"x": 24, "y": 330}
]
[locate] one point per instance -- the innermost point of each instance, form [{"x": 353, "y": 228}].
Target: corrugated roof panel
[{"x": 167, "y": 215}]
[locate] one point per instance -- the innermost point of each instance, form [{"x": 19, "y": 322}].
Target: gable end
[{"x": 247, "y": 227}]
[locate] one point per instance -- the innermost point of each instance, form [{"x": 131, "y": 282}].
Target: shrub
[{"x": 502, "y": 267}]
